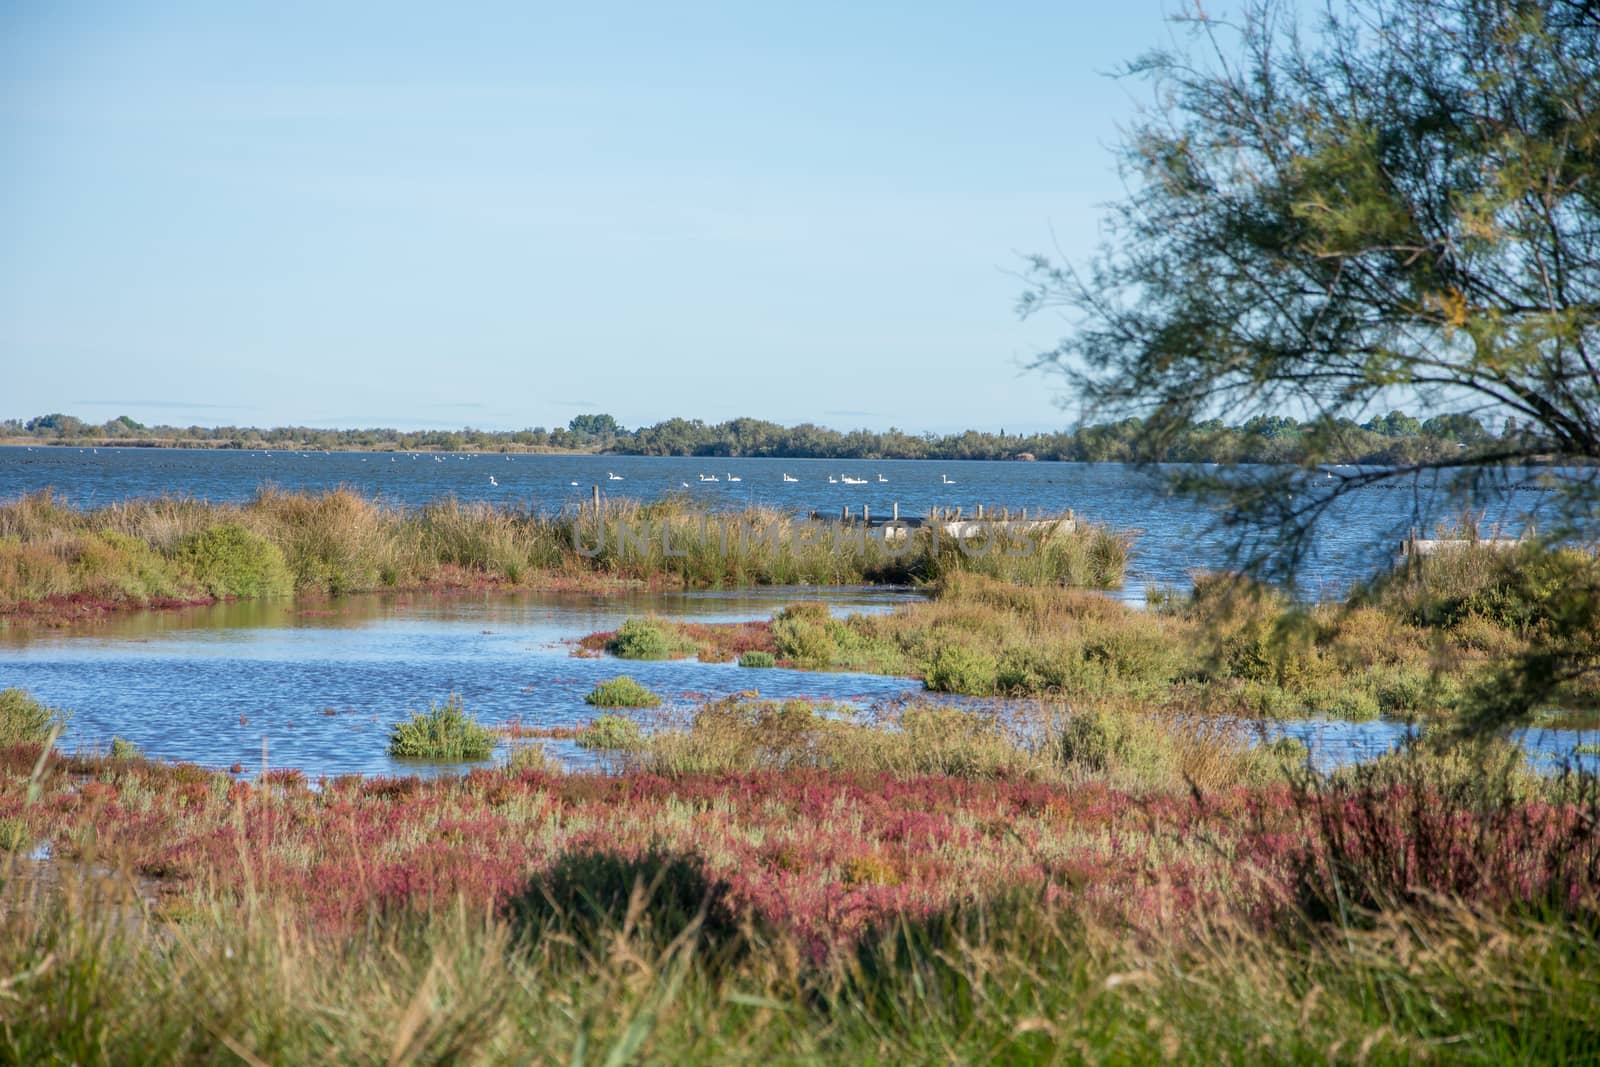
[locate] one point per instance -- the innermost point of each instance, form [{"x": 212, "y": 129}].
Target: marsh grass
[
  {"x": 616, "y": 732},
  {"x": 444, "y": 732},
  {"x": 621, "y": 692},
  {"x": 1427, "y": 909},
  {"x": 648, "y": 639},
  {"x": 646, "y": 957},
  {"x": 1126, "y": 747},
  {"x": 1231, "y": 648},
  {"x": 123, "y": 749},
  {"x": 228, "y": 560},
  {"x": 24, "y": 720},
  {"x": 529, "y": 757},
  {"x": 167, "y": 548}
]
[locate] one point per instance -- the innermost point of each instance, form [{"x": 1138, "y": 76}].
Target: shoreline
[{"x": 240, "y": 445}]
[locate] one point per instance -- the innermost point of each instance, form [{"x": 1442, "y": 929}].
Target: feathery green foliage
[
  {"x": 230, "y": 561},
  {"x": 611, "y": 732},
  {"x": 621, "y": 692},
  {"x": 24, "y": 720},
  {"x": 444, "y": 732}
]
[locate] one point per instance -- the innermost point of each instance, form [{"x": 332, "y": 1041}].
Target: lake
[{"x": 322, "y": 681}]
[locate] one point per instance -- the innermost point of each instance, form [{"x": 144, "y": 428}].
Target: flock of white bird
[{"x": 612, "y": 476}]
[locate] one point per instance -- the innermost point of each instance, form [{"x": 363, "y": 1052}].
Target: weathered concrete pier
[{"x": 1417, "y": 547}]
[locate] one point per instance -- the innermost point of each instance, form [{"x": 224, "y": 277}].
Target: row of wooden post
[{"x": 935, "y": 514}]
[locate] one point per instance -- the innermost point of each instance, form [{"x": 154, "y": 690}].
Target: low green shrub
[
  {"x": 443, "y": 732},
  {"x": 23, "y": 720},
  {"x": 621, "y": 692},
  {"x": 611, "y": 731},
  {"x": 530, "y": 757},
  {"x": 122, "y": 748},
  {"x": 1350, "y": 701},
  {"x": 228, "y": 560},
  {"x": 757, "y": 658},
  {"x": 1101, "y": 741},
  {"x": 642, "y": 639},
  {"x": 957, "y": 669},
  {"x": 802, "y": 634}
]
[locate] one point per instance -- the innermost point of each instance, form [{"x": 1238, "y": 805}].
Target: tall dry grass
[{"x": 341, "y": 541}]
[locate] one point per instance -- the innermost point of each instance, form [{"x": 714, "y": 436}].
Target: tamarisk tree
[
  {"x": 1400, "y": 201},
  {"x": 1396, "y": 199}
]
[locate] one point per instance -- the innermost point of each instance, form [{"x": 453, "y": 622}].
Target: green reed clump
[
  {"x": 804, "y": 634},
  {"x": 621, "y": 692},
  {"x": 757, "y": 658},
  {"x": 616, "y": 732},
  {"x": 444, "y": 732},
  {"x": 645, "y": 639},
  {"x": 229, "y": 560},
  {"x": 335, "y": 542},
  {"x": 24, "y": 720},
  {"x": 1059, "y": 553},
  {"x": 738, "y": 736},
  {"x": 530, "y": 757},
  {"x": 123, "y": 749}
]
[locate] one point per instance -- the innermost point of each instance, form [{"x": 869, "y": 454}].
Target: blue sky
[{"x": 503, "y": 215}]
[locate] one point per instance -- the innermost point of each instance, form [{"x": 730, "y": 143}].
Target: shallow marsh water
[{"x": 322, "y": 681}]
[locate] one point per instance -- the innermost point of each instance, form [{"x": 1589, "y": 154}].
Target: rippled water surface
[{"x": 323, "y": 682}]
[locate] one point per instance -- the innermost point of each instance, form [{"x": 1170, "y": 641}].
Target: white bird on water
[
  {"x": 789, "y": 479},
  {"x": 492, "y": 481},
  {"x": 882, "y": 480},
  {"x": 731, "y": 478},
  {"x": 572, "y": 483},
  {"x": 613, "y": 477},
  {"x": 946, "y": 479},
  {"x": 832, "y": 480}
]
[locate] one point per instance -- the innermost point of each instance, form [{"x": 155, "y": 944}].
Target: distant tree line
[{"x": 1392, "y": 438}]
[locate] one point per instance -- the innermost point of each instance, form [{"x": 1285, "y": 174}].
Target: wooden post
[
  {"x": 980, "y": 511},
  {"x": 596, "y": 490},
  {"x": 844, "y": 513},
  {"x": 866, "y": 516},
  {"x": 897, "y": 509}
]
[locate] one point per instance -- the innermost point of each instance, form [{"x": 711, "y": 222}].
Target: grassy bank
[
  {"x": 1417, "y": 644},
  {"x": 802, "y": 894},
  {"x": 57, "y": 560}
]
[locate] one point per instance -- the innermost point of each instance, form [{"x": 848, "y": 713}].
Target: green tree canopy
[
  {"x": 594, "y": 426},
  {"x": 1400, "y": 202}
]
